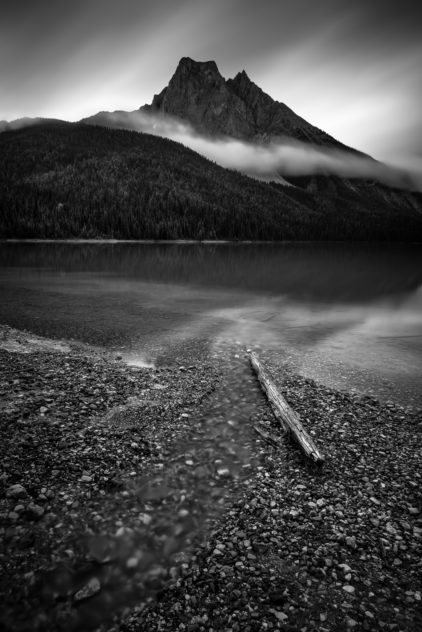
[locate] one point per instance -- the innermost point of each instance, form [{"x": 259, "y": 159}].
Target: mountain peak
[
  {"x": 247, "y": 89},
  {"x": 198, "y": 93},
  {"x": 187, "y": 65},
  {"x": 242, "y": 76},
  {"x": 195, "y": 72}
]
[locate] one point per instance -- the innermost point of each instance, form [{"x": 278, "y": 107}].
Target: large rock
[{"x": 16, "y": 491}]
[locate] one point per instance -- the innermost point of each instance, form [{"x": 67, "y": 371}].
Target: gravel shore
[{"x": 141, "y": 499}]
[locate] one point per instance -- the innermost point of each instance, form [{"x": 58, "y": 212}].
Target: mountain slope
[
  {"x": 74, "y": 180},
  {"x": 26, "y": 122}
]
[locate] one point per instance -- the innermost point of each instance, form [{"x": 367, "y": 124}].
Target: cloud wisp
[{"x": 282, "y": 157}]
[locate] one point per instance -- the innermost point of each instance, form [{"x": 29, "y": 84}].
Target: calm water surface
[{"x": 348, "y": 315}]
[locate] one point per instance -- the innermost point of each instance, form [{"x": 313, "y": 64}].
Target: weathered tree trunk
[{"x": 289, "y": 420}]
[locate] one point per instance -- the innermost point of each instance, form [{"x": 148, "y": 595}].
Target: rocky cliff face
[
  {"x": 200, "y": 95},
  {"x": 237, "y": 107}
]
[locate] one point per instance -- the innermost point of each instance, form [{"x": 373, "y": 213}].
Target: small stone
[
  {"x": 132, "y": 562},
  {"x": 346, "y": 568},
  {"x": 85, "y": 478},
  {"x": 280, "y": 616},
  {"x": 43, "y": 410},
  {"x": 375, "y": 500},
  {"x": 30, "y": 577},
  {"x": 35, "y": 511},
  {"x": 50, "y": 518},
  {"x": 413, "y": 511},
  {"x": 351, "y": 542},
  {"x": 145, "y": 518},
  {"x": 217, "y": 552},
  {"x": 16, "y": 491},
  {"x": 89, "y": 590},
  {"x": 349, "y": 589},
  {"x": 351, "y": 623},
  {"x": 320, "y": 502}
]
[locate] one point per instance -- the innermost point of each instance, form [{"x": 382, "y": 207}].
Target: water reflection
[
  {"x": 314, "y": 270},
  {"x": 345, "y": 314}
]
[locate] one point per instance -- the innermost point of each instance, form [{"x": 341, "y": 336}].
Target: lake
[{"x": 346, "y": 315}]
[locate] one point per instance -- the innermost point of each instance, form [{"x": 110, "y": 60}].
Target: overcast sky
[{"x": 352, "y": 68}]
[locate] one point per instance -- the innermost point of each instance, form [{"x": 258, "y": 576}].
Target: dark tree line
[{"x": 74, "y": 180}]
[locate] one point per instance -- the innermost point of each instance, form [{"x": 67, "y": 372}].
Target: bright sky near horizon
[{"x": 353, "y": 69}]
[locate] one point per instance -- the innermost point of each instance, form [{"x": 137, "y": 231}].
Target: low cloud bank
[
  {"x": 266, "y": 161},
  {"x": 270, "y": 161}
]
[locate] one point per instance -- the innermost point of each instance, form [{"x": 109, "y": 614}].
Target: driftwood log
[{"x": 289, "y": 420}]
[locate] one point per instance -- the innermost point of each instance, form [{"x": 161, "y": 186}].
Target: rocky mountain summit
[{"x": 237, "y": 107}]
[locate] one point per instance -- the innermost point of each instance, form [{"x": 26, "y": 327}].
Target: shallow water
[{"x": 347, "y": 315}]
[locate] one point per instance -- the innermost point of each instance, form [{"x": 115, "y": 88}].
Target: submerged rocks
[{"x": 89, "y": 590}]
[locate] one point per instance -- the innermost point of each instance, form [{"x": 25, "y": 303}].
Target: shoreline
[
  {"x": 101, "y": 451},
  {"x": 204, "y": 241}
]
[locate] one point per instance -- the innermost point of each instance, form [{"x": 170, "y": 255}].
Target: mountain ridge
[{"x": 237, "y": 107}]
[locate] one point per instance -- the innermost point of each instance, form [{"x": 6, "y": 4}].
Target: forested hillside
[{"x": 63, "y": 180}]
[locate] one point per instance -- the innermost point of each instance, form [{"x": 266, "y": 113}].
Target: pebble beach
[{"x": 141, "y": 498}]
